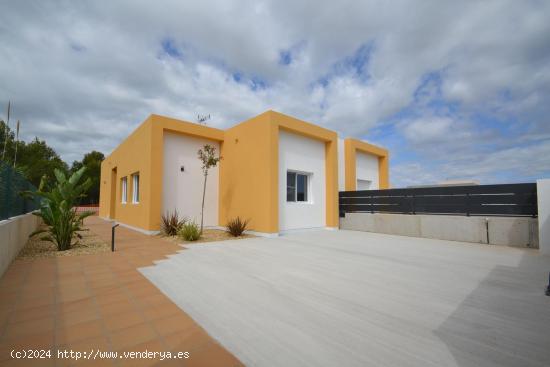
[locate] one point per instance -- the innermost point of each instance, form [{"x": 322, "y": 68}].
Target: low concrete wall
[
  {"x": 14, "y": 233},
  {"x": 543, "y": 198},
  {"x": 520, "y": 232}
]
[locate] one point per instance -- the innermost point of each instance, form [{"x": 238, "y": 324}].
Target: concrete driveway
[{"x": 345, "y": 298}]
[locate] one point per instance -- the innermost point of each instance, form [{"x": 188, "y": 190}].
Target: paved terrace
[
  {"x": 345, "y": 298},
  {"x": 99, "y": 302}
]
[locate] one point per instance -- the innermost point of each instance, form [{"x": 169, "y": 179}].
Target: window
[
  {"x": 296, "y": 187},
  {"x": 124, "y": 189},
  {"x": 135, "y": 188}
]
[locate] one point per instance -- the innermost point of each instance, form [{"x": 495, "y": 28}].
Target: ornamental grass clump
[
  {"x": 237, "y": 226},
  {"x": 190, "y": 231},
  {"x": 171, "y": 223}
]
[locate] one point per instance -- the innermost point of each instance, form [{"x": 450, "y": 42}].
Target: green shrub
[
  {"x": 57, "y": 209},
  {"x": 237, "y": 226},
  {"x": 190, "y": 231},
  {"x": 171, "y": 223}
]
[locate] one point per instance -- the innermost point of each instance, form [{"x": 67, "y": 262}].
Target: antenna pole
[
  {"x": 6, "y": 132},
  {"x": 16, "y": 143}
]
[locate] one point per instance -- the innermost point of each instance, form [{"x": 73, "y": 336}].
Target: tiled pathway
[{"x": 91, "y": 302}]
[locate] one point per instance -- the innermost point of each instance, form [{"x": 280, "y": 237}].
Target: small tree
[{"x": 207, "y": 156}]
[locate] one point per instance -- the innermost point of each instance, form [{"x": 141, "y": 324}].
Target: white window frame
[
  {"x": 124, "y": 190},
  {"x": 135, "y": 184},
  {"x": 309, "y": 195}
]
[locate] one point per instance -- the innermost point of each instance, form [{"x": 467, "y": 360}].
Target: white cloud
[{"x": 99, "y": 68}]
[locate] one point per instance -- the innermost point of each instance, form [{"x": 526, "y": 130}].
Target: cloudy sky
[{"x": 454, "y": 89}]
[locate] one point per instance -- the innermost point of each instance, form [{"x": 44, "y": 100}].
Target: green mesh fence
[{"x": 12, "y": 184}]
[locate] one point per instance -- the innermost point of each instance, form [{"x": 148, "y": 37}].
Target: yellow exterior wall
[
  {"x": 248, "y": 174},
  {"x": 351, "y": 146},
  {"x": 248, "y": 170},
  {"x": 133, "y": 155},
  {"x": 142, "y": 152}
]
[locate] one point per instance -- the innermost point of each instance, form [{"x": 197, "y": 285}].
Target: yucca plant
[
  {"x": 190, "y": 231},
  {"x": 171, "y": 223},
  {"x": 57, "y": 209},
  {"x": 237, "y": 226}
]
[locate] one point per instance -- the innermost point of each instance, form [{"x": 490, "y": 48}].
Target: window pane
[
  {"x": 290, "y": 186},
  {"x": 135, "y": 192},
  {"x": 124, "y": 190},
  {"x": 137, "y": 188},
  {"x": 302, "y": 188}
]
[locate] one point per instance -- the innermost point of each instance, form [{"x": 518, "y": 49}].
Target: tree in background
[
  {"x": 92, "y": 162},
  {"x": 35, "y": 159}
]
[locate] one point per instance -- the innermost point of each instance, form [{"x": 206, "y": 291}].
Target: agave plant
[{"x": 57, "y": 209}]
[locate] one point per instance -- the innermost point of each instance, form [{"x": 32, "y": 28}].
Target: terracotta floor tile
[
  {"x": 122, "y": 320},
  {"x": 72, "y": 287},
  {"x": 151, "y": 360},
  {"x": 77, "y": 332},
  {"x": 116, "y": 307},
  {"x": 31, "y": 302},
  {"x": 29, "y": 362},
  {"x": 116, "y": 296},
  {"x": 72, "y": 295},
  {"x": 161, "y": 311},
  {"x": 28, "y": 328},
  {"x": 43, "y": 340},
  {"x": 66, "y": 319},
  {"x": 132, "y": 336},
  {"x": 172, "y": 324},
  {"x": 96, "y": 343},
  {"x": 78, "y": 305},
  {"x": 99, "y": 301},
  {"x": 100, "y": 362},
  {"x": 27, "y": 314}
]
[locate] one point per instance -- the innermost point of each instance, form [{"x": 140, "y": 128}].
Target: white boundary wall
[
  {"x": 543, "y": 197},
  {"x": 14, "y": 233}
]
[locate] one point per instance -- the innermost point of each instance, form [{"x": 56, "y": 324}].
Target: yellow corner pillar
[
  {"x": 351, "y": 146},
  {"x": 331, "y": 174}
]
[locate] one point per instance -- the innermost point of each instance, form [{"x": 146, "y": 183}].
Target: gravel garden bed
[{"x": 37, "y": 248}]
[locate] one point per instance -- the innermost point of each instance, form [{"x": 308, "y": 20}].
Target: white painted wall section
[
  {"x": 302, "y": 154},
  {"x": 366, "y": 166},
  {"x": 183, "y": 190},
  {"x": 543, "y": 202},
  {"x": 14, "y": 233},
  {"x": 341, "y": 166}
]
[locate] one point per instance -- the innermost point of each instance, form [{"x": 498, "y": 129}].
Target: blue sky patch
[
  {"x": 169, "y": 48},
  {"x": 285, "y": 57}
]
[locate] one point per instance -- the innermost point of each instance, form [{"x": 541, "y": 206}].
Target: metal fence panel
[
  {"x": 12, "y": 184},
  {"x": 497, "y": 200}
]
